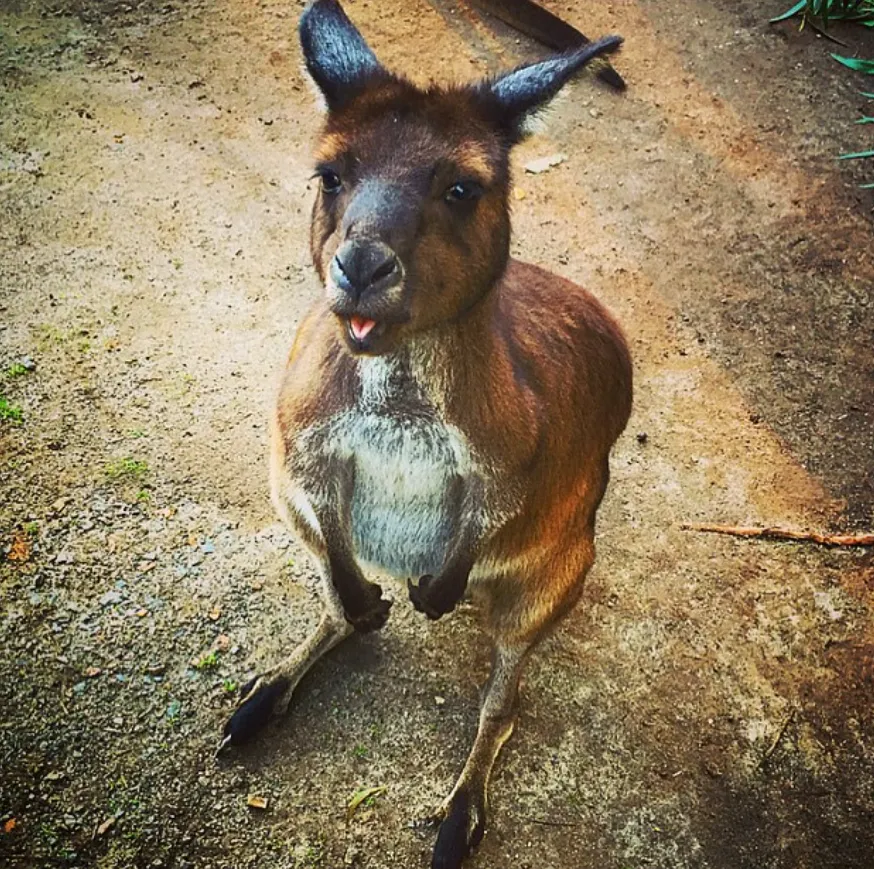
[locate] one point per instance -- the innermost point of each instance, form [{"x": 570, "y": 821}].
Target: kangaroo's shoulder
[{"x": 320, "y": 377}]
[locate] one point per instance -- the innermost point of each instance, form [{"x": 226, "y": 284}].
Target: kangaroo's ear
[
  {"x": 336, "y": 55},
  {"x": 527, "y": 90}
]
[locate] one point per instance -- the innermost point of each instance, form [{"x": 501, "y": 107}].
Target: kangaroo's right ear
[{"x": 337, "y": 57}]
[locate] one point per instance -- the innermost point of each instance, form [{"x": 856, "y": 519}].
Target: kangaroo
[{"x": 447, "y": 413}]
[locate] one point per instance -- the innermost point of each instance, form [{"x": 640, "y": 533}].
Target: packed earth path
[{"x": 710, "y": 702}]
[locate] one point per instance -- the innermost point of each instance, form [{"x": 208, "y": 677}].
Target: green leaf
[
  {"x": 865, "y": 119},
  {"x": 857, "y": 63},
  {"x": 798, "y": 7},
  {"x": 360, "y": 796},
  {"x": 867, "y": 186},
  {"x": 858, "y": 155}
]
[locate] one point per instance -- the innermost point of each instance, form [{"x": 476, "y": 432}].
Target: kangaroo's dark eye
[
  {"x": 463, "y": 191},
  {"x": 331, "y": 182}
]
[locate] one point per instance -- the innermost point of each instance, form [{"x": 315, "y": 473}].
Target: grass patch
[
  {"x": 206, "y": 662},
  {"x": 818, "y": 14},
  {"x": 826, "y": 11},
  {"x": 126, "y": 469},
  {"x": 10, "y": 412}
]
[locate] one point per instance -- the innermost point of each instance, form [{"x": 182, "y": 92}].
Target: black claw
[
  {"x": 455, "y": 839},
  {"x": 254, "y": 712}
]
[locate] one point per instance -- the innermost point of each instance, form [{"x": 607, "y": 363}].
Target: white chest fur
[{"x": 406, "y": 458}]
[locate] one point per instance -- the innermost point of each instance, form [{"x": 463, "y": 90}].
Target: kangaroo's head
[{"x": 411, "y": 223}]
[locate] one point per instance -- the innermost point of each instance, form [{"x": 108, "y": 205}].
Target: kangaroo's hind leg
[
  {"x": 350, "y": 603},
  {"x": 518, "y": 617},
  {"x": 269, "y": 693}
]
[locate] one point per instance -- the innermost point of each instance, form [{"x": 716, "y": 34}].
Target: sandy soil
[{"x": 709, "y": 704}]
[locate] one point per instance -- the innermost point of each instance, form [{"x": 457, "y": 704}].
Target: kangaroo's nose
[{"x": 361, "y": 266}]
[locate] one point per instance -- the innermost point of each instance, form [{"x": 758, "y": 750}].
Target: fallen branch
[{"x": 786, "y": 534}]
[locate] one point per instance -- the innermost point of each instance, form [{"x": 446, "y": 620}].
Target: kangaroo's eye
[
  {"x": 331, "y": 182},
  {"x": 463, "y": 191}
]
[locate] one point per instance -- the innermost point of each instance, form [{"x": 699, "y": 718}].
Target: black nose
[{"x": 364, "y": 266}]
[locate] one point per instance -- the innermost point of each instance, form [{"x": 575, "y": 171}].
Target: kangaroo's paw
[
  {"x": 372, "y": 616},
  {"x": 462, "y": 829},
  {"x": 260, "y": 699},
  {"x": 429, "y": 598}
]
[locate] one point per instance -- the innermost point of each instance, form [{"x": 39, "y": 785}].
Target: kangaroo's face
[{"x": 410, "y": 225}]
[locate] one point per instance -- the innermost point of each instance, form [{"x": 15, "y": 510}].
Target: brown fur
[{"x": 511, "y": 384}]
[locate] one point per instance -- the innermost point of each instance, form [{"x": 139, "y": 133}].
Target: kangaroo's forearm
[{"x": 437, "y": 595}]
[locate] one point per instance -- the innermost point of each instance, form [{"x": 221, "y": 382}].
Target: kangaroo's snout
[{"x": 363, "y": 267}]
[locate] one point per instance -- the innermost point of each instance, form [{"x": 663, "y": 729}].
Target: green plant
[
  {"x": 126, "y": 468},
  {"x": 16, "y": 369},
  {"x": 10, "y": 412},
  {"x": 826, "y": 11},
  {"x": 207, "y": 661}
]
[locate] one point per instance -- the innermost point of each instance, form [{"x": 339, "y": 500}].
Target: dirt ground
[{"x": 711, "y": 701}]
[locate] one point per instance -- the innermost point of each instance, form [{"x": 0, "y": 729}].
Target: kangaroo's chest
[{"x": 406, "y": 463}]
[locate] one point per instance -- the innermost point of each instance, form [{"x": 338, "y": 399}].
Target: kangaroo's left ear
[
  {"x": 527, "y": 90},
  {"x": 337, "y": 57}
]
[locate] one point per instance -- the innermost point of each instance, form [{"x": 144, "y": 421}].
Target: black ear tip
[
  {"x": 320, "y": 12},
  {"x": 606, "y": 44}
]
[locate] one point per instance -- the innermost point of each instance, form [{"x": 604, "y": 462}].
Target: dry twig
[
  {"x": 777, "y": 739},
  {"x": 786, "y": 534}
]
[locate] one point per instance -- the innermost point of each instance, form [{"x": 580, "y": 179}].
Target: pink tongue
[{"x": 361, "y": 327}]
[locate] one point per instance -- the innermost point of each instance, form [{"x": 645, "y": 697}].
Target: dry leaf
[
  {"x": 105, "y": 825},
  {"x": 10, "y": 825},
  {"x": 360, "y": 796},
  {"x": 256, "y": 802},
  {"x": 91, "y": 672},
  {"x": 544, "y": 164},
  {"x": 519, "y": 193},
  {"x": 215, "y": 613},
  {"x": 20, "y": 549}
]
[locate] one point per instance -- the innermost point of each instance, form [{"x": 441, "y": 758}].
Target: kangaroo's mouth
[
  {"x": 363, "y": 334},
  {"x": 360, "y": 327}
]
